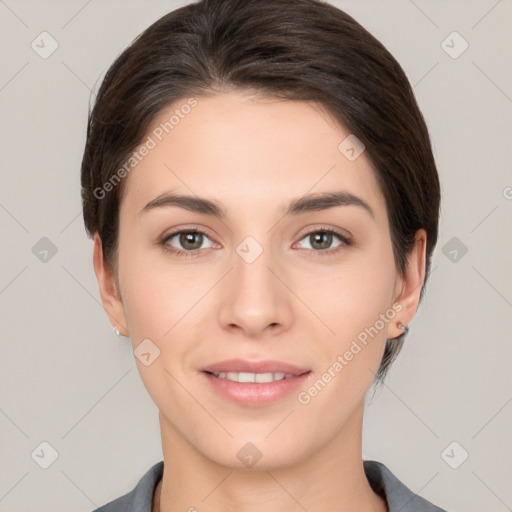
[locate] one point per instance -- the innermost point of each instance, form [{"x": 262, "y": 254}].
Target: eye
[
  {"x": 191, "y": 240},
  {"x": 320, "y": 240}
]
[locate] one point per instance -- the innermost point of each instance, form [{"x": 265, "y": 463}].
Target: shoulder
[
  {"x": 140, "y": 499},
  {"x": 398, "y": 496}
]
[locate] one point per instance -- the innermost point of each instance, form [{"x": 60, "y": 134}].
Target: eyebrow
[{"x": 309, "y": 203}]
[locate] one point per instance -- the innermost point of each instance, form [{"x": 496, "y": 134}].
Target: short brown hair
[{"x": 288, "y": 49}]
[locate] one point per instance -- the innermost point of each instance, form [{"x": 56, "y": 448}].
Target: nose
[{"x": 255, "y": 299}]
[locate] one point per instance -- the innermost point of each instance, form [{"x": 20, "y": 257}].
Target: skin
[{"x": 254, "y": 156}]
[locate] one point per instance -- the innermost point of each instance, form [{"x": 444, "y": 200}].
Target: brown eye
[
  {"x": 186, "y": 241},
  {"x": 191, "y": 241},
  {"x": 321, "y": 241}
]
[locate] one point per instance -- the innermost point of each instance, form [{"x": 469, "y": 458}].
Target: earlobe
[
  {"x": 108, "y": 290},
  {"x": 410, "y": 285}
]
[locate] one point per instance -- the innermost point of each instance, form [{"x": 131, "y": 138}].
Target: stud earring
[
  {"x": 404, "y": 328},
  {"x": 118, "y": 332}
]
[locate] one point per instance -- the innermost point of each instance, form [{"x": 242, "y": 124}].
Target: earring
[
  {"x": 404, "y": 328},
  {"x": 118, "y": 332}
]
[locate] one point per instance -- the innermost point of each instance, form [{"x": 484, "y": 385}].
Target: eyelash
[{"x": 326, "y": 252}]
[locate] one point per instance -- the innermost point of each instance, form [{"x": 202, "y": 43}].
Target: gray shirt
[{"x": 383, "y": 482}]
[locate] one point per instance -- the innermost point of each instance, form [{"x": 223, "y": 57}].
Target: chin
[{"x": 259, "y": 454}]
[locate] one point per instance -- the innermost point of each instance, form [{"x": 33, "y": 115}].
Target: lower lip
[{"x": 255, "y": 394}]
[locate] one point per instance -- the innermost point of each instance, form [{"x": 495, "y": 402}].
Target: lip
[
  {"x": 242, "y": 365},
  {"x": 253, "y": 394}
]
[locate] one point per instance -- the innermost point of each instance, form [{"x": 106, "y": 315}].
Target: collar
[{"x": 399, "y": 498}]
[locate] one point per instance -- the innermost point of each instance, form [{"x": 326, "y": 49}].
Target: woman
[{"x": 261, "y": 190}]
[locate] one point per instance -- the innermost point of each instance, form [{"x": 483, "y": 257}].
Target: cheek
[
  {"x": 147, "y": 300},
  {"x": 156, "y": 303},
  {"x": 351, "y": 297},
  {"x": 156, "y": 293},
  {"x": 356, "y": 304},
  {"x": 349, "y": 360}
]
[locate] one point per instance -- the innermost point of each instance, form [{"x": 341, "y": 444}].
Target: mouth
[
  {"x": 254, "y": 383},
  {"x": 258, "y": 378}
]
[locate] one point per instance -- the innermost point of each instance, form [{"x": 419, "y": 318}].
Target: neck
[{"x": 330, "y": 479}]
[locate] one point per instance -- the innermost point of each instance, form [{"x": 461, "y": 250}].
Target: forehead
[{"x": 247, "y": 152}]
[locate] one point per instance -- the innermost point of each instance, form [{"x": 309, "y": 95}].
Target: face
[{"x": 313, "y": 286}]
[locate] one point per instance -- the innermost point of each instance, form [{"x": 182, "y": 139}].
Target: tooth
[
  {"x": 263, "y": 377},
  {"x": 245, "y": 377},
  {"x": 260, "y": 378}
]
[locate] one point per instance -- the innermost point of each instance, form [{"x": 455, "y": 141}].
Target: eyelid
[
  {"x": 185, "y": 229},
  {"x": 314, "y": 228}
]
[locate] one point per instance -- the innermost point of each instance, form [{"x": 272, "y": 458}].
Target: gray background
[{"x": 65, "y": 378}]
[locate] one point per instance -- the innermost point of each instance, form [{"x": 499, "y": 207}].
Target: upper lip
[{"x": 242, "y": 365}]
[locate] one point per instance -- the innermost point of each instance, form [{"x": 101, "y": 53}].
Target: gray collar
[{"x": 398, "y": 497}]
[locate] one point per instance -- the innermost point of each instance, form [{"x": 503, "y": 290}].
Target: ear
[
  {"x": 408, "y": 287},
  {"x": 108, "y": 288}
]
